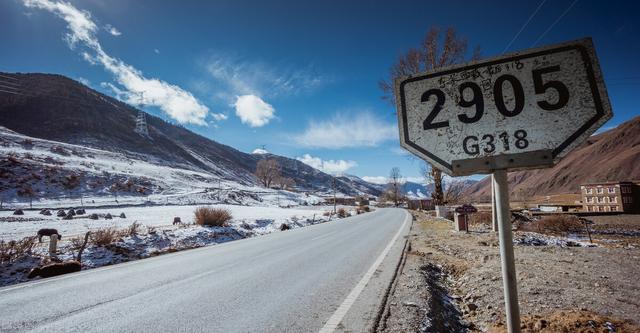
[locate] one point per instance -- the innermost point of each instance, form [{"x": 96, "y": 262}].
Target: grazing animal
[
  {"x": 284, "y": 227},
  {"x": 55, "y": 269},
  {"x": 177, "y": 220},
  {"x": 47, "y": 232}
]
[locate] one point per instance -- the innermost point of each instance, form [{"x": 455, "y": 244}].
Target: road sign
[
  {"x": 519, "y": 111},
  {"x": 466, "y": 209}
]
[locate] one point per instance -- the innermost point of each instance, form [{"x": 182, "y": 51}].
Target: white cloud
[
  {"x": 384, "y": 180},
  {"x": 253, "y": 111},
  {"x": 328, "y": 166},
  {"x": 112, "y": 30},
  {"x": 355, "y": 130},
  {"x": 84, "y": 81},
  {"x": 177, "y": 103}
]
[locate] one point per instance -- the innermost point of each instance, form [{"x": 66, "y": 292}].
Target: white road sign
[{"x": 519, "y": 111}]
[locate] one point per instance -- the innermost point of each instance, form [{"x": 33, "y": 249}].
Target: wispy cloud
[
  {"x": 347, "y": 131},
  {"x": 112, "y": 30},
  {"x": 328, "y": 166},
  {"x": 177, "y": 103},
  {"x": 253, "y": 111},
  {"x": 239, "y": 77}
]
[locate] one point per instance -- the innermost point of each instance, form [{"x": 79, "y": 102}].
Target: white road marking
[{"x": 342, "y": 310}]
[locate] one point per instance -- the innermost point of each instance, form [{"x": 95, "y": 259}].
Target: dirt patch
[
  {"x": 554, "y": 277},
  {"x": 571, "y": 321}
]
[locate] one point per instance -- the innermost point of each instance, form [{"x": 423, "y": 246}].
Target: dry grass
[
  {"x": 12, "y": 250},
  {"x": 216, "y": 217},
  {"x": 103, "y": 237},
  {"x": 481, "y": 217},
  {"x": 326, "y": 213},
  {"x": 342, "y": 213},
  {"x": 133, "y": 229},
  {"x": 555, "y": 225}
]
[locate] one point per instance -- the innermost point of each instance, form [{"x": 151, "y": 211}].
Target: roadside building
[{"x": 623, "y": 197}]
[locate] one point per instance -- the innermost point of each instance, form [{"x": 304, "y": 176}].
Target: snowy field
[{"x": 29, "y": 223}]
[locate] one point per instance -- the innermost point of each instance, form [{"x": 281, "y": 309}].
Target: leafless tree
[
  {"x": 267, "y": 171},
  {"x": 436, "y": 50},
  {"x": 394, "y": 191},
  {"x": 285, "y": 183},
  {"x": 454, "y": 192}
]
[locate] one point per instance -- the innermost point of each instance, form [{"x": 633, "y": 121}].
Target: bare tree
[
  {"x": 267, "y": 171},
  {"x": 436, "y": 50},
  {"x": 454, "y": 192},
  {"x": 394, "y": 191},
  {"x": 285, "y": 183}
]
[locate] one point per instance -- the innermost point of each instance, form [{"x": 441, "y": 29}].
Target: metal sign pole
[
  {"x": 494, "y": 214},
  {"x": 506, "y": 251}
]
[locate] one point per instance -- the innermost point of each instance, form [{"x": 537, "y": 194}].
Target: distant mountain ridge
[
  {"x": 54, "y": 107},
  {"x": 613, "y": 155}
]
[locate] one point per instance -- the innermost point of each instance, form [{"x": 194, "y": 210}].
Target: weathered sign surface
[
  {"x": 519, "y": 111},
  {"x": 466, "y": 209}
]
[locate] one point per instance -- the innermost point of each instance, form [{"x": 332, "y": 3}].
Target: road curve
[{"x": 291, "y": 281}]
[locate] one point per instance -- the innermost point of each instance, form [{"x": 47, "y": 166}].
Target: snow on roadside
[
  {"x": 156, "y": 240},
  {"x": 32, "y": 221}
]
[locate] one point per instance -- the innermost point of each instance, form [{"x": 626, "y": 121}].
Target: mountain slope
[
  {"x": 54, "y": 107},
  {"x": 610, "y": 156}
]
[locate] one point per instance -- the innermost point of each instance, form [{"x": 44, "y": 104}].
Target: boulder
[
  {"x": 61, "y": 213},
  {"x": 46, "y": 212},
  {"x": 108, "y": 216},
  {"x": 71, "y": 212},
  {"x": 93, "y": 216},
  {"x": 122, "y": 216},
  {"x": 80, "y": 212},
  {"x": 69, "y": 216},
  {"x": 18, "y": 212}
]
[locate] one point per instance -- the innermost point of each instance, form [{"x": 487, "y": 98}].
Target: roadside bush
[
  {"x": 133, "y": 229},
  {"x": 12, "y": 250},
  {"x": 216, "y": 217},
  {"x": 481, "y": 217},
  {"x": 366, "y": 208},
  {"x": 554, "y": 224},
  {"x": 342, "y": 213},
  {"x": 326, "y": 213},
  {"x": 103, "y": 237}
]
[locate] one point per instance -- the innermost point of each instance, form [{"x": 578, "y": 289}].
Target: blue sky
[{"x": 299, "y": 77}]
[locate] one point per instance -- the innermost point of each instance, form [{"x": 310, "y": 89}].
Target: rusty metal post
[{"x": 509, "y": 282}]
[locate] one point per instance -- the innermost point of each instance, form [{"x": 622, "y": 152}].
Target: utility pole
[{"x": 334, "y": 195}]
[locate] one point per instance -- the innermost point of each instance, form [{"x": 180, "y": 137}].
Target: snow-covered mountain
[{"x": 81, "y": 121}]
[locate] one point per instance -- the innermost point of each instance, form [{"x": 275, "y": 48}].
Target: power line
[
  {"x": 555, "y": 22},
  {"x": 524, "y": 26}
]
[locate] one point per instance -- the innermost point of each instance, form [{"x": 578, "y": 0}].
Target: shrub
[
  {"x": 554, "y": 224},
  {"x": 133, "y": 229},
  {"x": 342, "y": 213},
  {"x": 481, "y": 217},
  {"x": 102, "y": 237},
  {"x": 326, "y": 213},
  {"x": 366, "y": 209},
  {"x": 12, "y": 250},
  {"x": 216, "y": 217}
]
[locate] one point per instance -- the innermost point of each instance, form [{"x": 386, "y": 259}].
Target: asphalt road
[{"x": 292, "y": 281}]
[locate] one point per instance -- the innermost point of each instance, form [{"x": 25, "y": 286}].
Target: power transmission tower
[{"x": 141, "y": 124}]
